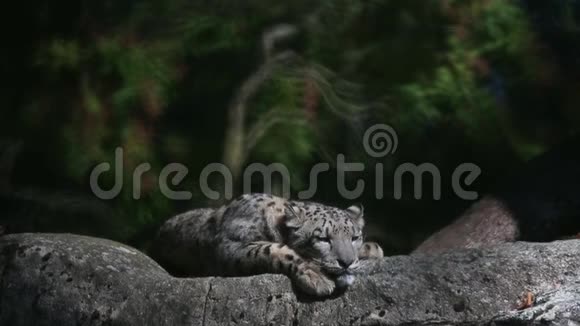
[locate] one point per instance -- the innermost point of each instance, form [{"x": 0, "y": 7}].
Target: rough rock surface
[
  {"x": 487, "y": 222},
  {"x": 558, "y": 307},
  {"x": 63, "y": 279}
]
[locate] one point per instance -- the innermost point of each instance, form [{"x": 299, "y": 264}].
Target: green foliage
[
  {"x": 125, "y": 81},
  {"x": 61, "y": 54},
  {"x": 210, "y": 34},
  {"x": 454, "y": 93}
]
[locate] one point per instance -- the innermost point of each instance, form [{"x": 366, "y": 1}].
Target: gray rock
[
  {"x": 557, "y": 307},
  {"x": 63, "y": 279}
]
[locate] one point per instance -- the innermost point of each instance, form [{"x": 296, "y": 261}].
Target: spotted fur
[{"x": 319, "y": 247}]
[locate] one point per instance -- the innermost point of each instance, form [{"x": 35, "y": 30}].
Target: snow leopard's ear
[
  {"x": 357, "y": 211},
  {"x": 293, "y": 216}
]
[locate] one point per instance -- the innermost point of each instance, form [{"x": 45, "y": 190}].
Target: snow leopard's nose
[{"x": 345, "y": 254}]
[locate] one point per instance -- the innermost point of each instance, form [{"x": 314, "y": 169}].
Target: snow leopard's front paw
[
  {"x": 370, "y": 250},
  {"x": 314, "y": 282}
]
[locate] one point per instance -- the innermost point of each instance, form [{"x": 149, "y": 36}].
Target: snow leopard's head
[{"x": 329, "y": 236}]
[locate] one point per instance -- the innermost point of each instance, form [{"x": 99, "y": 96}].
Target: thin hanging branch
[
  {"x": 269, "y": 120},
  {"x": 235, "y": 139}
]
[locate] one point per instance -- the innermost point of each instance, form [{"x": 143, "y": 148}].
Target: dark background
[{"x": 491, "y": 82}]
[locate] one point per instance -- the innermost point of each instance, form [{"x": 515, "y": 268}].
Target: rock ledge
[{"x": 63, "y": 279}]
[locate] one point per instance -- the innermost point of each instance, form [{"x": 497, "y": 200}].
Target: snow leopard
[{"x": 319, "y": 247}]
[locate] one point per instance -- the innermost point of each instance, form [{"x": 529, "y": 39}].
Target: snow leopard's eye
[
  {"x": 355, "y": 238},
  {"x": 323, "y": 239}
]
